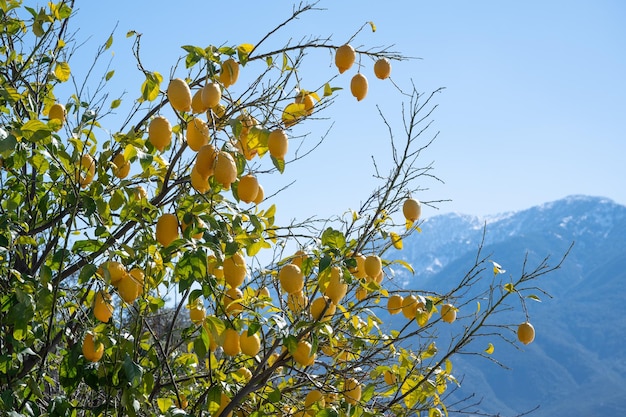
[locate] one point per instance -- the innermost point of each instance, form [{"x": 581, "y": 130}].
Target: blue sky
[{"x": 534, "y": 106}]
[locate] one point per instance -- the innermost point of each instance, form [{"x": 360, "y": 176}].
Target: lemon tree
[{"x": 143, "y": 271}]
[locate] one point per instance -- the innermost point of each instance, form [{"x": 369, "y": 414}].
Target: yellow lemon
[
  {"x": 225, "y": 169},
  {"x": 260, "y": 195},
  {"x": 86, "y": 170},
  {"x": 231, "y": 344},
  {"x": 412, "y": 209},
  {"x": 248, "y": 188},
  {"x": 382, "y": 68},
  {"x": 358, "y": 86},
  {"x": 102, "y": 307},
  {"x": 211, "y": 95},
  {"x": 303, "y": 355},
  {"x": 160, "y": 133},
  {"x": 278, "y": 143},
  {"x": 179, "y": 95},
  {"x": 291, "y": 278},
  {"x": 205, "y": 160},
  {"x": 229, "y": 72},
  {"x": 448, "y": 313},
  {"x": 352, "y": 391},
  {"x": 336, "y": 288},
  {"x": 92, "y": 350},
  {"x": 250, "y": 345},
  {"x": 344, "y": 57},
  {"x": 235, "y": 270},
  {"x": 167, "y": 229},
  {"x": 394, "y": 304},
  {"x": 121, "y": 166},
  {"x": 197, "y": 134},
  {"x": 526, "y": 333}
]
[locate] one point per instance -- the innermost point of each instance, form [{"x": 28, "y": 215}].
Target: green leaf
[
  {"x": 62, "y": 71},
  {"x": 109, "y": 75},
  {"x": 333, "y": 238},
  {"x": 130, "y": 33},
  {"x": 86, "y": 273},
  {"x": 116, "y": 103},
  {"x": 108, "y": 43},
  {"x": 279, "y": 164},
  {"x": 132, "y": 371}
]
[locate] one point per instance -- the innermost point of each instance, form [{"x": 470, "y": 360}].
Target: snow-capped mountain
[{"x": 577, "y": 364}]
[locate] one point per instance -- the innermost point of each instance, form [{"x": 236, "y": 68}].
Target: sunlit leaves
[
  {"x": 62, "y": 71},
  {"x": 243, "y": 51},
  {"x": 150, "y": 87},
  {"x": 293, "y": 113}
]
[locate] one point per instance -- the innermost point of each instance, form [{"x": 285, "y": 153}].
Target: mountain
[{"x": 577, "y": 363}]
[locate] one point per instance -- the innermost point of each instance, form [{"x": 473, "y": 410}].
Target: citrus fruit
[
  {"x": 382, "y": 68},
  {"x": 197, "y": 313},
  {"x": 57, "y": 112},
  {"x": 245, "y": 373},
  {"x": 250, "y": 345},
  {"x": 336, "y": 288},
  {"x": 179, "y": 94},
  {"x": 448, "y": 313},
  {"x": 102, "y": 307},
  {"x": 115, "y": 270},
  {"x": 317, "y": 308},
  {"x": 308, "y": 100},
  {"x": 232, "y": 307},
  {"x": 389, "y": 377},
  {"x": 197, "y": 106},
  {"x": 205, "y": 160},
  {"x": 248, "y": 188},
  {"x": 234, "y": 270},
  {"x": 411, "y": 209},
  {"x": 296, "y": 302},
  {"x": 86, "y": 170},
  {"x": 128, "y": 289},
  {"x": 409, "y": 306},
  {"x": 197, "y": 134},
  {"x": 291, "y": 278},
  {"x": 260, "y": 195},
  {"x": 360, "y": 293},
  {"x": 344, "y": 58},
  {"x": 358, "y": 86},
  {"x": 394, "y": 304},
  {"x": 214, "y": 268},
  {"x": 231, "y": 344},
  {"x": 211, "y": 95},
  {"x": 167, "y": 229},
  {"x": 526, "y": 333},
  {"x": 373, "y": 266},
  {"x": 122, "y": 166},
  {"x": 352, "y": 391},
  {"x": 359, "y": 270},
  {"x": 160, "y": 133},
  {"x": 314, "y": 397},
  {"x": 298, "y": 258},
  {"x": 225, "y": 169},
  {"x": 278, "y": 143},
  {"x": 139, "y": 277},
  {"x": 229, "y": 72},
  {"x": 92, "y": 350},
  {"x": 263, "y": 292},
  {"x": 198, "y": 181},
  {"x": 302, "y": 355}
]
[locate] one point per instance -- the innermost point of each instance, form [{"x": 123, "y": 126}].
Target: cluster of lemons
[{"x": 345, "y": 58}]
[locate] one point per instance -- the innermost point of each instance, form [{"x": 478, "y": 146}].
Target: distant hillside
[{"x": 577, "y": 364}]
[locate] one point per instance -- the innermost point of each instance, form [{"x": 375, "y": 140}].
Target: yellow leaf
[
  {"x": 373, "y": 26},
  {"x": 292, "y": 113},
  {"x": 396, "y": 240},
  {"x": 245, "y": 48},
  {"x": 489, "y": 349},
  {"x": 509, "y": 287},
  {"x": 62, "y": 71},
  {"x": 477, "y": 307},
  {"x": 164, "y": 404}
]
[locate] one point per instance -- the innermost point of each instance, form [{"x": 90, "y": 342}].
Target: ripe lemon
[
  {"x": 122, "y": 166},
  {"x": 225, "y": 169},
  {"x": 352, "y": 391},
  {"x": 263, "y": 292},
  {"x": 296, "y": 302},
  {"x": 373, "y": 266},
  {"x": 412, "y": 209},
  {"x": 199, "y": 182},
  {"x": 312, "y": 398},
  {"x": 139, "y": 277},
  {"x": 298, "y": 258},
  {"x": 260, "y": 195},
  {"x": 92, "y": 350},
  {"x": 57, "y": 112},
  {"x": 344, "y": 58},
  {"x": 394, "y": 304},
  {"x": 116, "y": 271},
  {"x": 205, "y": 160},
  {"x": 248, "y": 188},
  {"x": 250, "y": 345},
  {"x": 179, "y": 95},
  {"x": 317, "y": 308},
  {"x": 160, "y": 133},
  {"x": 409, "y": 307},
  {"x": 86, "y": 170},
  {"x": 211, "y": 95},
  {"x": 448, "y": 313},
  {"x": 360, "y": 293},
  {"x": 229, "y": 72},
  {"x": 278, "y": 143},
  {"x": 232, "y": 307},
  {"x": 231, "y": 344},
  {"x": 214, "y": 268},
  {"x": 526, "y": 333},
  {"x": 102, "y": 307},
  {"x": 308, "y": 100},
  {"x": 197, "y": 134},
  {"x": 389, "y": 377},
  {"x": 128, "y": 289},
  {"x": 336, "y": 288},
  {"x": 291, "y": 278},
  {"x": 245, "y": 373},
  {"x": 302, "y": 355},
  {"x": 197, "y": 106},
  {"x": 167, "y": 229},
  {"x": 358, "y": 86},
  {"x": 382, "y": 68},
  {"x": 234, "y": 270},
  {"x": 359, "y": 270},
  {"x": 197, "y": 313}
]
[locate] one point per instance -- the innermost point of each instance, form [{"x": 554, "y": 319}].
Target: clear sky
[{"x": 534, "y": 106}]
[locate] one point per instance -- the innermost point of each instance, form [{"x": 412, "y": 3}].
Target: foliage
[{"x": 80, "y": 204}]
